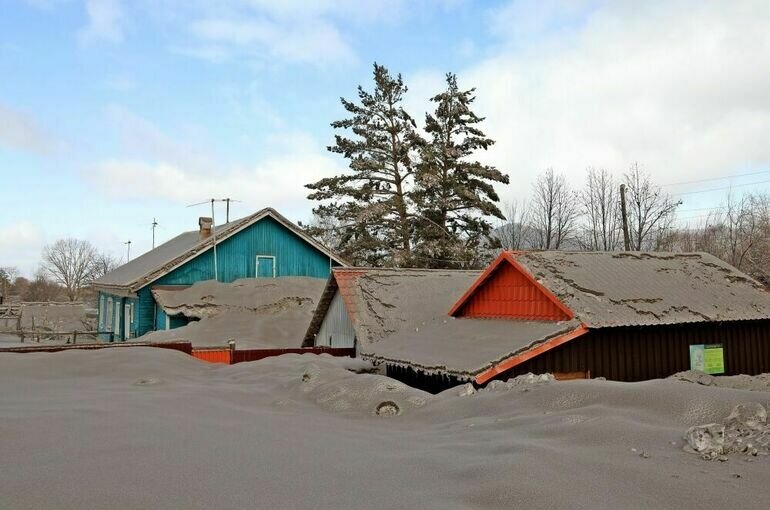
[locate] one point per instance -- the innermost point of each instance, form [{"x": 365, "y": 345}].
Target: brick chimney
[{"x": 205, "y": 226}]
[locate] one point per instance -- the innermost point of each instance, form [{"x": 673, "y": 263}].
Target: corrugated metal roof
[
  {"x": 607, "y": 289},
  {"x": 143, "y": 264},
  {"x": 171, "y": 254},
  {"x": 463, "y": 347},
  {"x": 400, "y": 316}
]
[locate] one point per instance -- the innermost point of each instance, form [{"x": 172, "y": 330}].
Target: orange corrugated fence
[{"x": 213, "y": 355}]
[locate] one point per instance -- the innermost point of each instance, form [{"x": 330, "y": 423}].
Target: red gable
[{"x": 507, "y": 291}]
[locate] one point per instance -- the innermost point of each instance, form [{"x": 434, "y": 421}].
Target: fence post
[
  {"x": 74, "y": 337},
  {"x": 231, "y": 344}
]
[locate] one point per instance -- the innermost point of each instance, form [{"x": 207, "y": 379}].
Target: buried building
[
  {"x": 623, "y": 316},
  {"x": 255, "y": 313},
  {"x": 263, "y": 245}
]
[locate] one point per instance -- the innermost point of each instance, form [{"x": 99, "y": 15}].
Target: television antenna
[
  {"x": 227, "y": 201},
  {"x": 128, "y": 252},
  {"x": 154, "y": 224},
  {"x": 214, "y": 224}
]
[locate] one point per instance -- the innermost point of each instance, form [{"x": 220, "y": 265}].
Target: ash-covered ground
[{"x": 151, "y": 428}]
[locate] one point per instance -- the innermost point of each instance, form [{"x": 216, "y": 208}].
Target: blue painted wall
[
  {"x": 237, "y": 258},
  {"x": 119, "y": 331}
]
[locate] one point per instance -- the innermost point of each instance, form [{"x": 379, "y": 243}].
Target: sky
[{"x": 114, "y": 113}]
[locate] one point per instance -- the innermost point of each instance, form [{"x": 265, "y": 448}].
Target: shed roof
[
  {"x": 400, "y": 316},
  {"x": 255, "y": 312},
  {"x": 606, "y": 289},
  {"x": 150, "y": 266}
]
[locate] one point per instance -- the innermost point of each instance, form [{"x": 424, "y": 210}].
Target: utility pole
[
  {"x": 214, "y": 236},
  {"x": 154, "y": 224},
  {"x": 624, "y": 214},
  {"x": 128, "y": 253},
  {"x": 214, "y": 225}
]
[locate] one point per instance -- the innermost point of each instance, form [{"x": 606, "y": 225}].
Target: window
[
  {"x": 128, "y": 317},
  {"x": 102, "y": 311},
  {"x": 116, "y": 320},
  {"x": 265, "y": 266},
  {"x": 108, "y": 316}
]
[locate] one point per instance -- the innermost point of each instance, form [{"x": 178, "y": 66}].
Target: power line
[
  {"x": 716, "y": 208},
  {"x": 716, "y": 178},
  {"x": 693, "y": 217},
  {"x": 722, "y": 189}
]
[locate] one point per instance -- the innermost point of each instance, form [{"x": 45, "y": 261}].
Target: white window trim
[
  {"x": 116, "y": 319},
  {"x": 102, "y": 311},
  {"x": 128, "y": 318},
  {"x": 108, "y": 316},
  {"x": 256, "y": 266}
]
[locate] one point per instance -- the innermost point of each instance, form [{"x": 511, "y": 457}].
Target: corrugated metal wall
[
  {"x": 237, "y": 258},
  {"x": 509, "y": 294},
  {"x": 336, "y": 329},
  {"x": 641, "y": 353}
]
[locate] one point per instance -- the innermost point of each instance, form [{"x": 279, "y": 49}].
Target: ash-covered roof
[
  {"x": 155, "y": 263},
  {"x": 606, "y": 289},
  {"x": 255, "y": 312},
  {"x": 400, "y": 316},
  {"x": 463, "y": 348}
]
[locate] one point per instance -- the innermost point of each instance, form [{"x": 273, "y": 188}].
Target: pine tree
[
  {"x": 372, "y": 202},
  {"x": 454, "y": 194}
]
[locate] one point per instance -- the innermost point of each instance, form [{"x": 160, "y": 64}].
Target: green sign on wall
[{"x": 708, "y": 358}]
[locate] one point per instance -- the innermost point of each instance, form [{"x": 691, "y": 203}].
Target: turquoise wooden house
[{"x": 263, "y": 245}]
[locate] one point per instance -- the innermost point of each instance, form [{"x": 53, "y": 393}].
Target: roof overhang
[
  {"x": 115, "y": 290},
  {"x": 534, "y": 351}
]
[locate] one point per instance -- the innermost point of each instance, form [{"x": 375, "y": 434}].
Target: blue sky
[{"x": 114, "y": 112}]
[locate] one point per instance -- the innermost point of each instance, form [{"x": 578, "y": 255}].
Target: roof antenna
[
  {"x": 228, "y": 200},
  {"x": 154, "y": 224},
  {"x": 214, "y": 225},
  {"x": 128, "y": 253}
]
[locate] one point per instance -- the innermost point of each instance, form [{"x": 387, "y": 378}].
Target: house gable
[
  {"x": 237, "y": 258},
  {"x": 507, "y": 291}
]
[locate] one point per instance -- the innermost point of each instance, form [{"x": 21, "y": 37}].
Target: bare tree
[
  {"x": 7, "y": 276},
  {"x": 103, "y": 264},
  {"x": 741, "y": 228},
  {"x": 513, "y": 233},
  {"x": 651, "y": 212},
  {"x": 554, "y": 213},
  {"x": 601, "y": 205},
  {"x": 737, "y": 232},
  {"x": 41, "y": 289},
  {"x": 70, "y": 262}
]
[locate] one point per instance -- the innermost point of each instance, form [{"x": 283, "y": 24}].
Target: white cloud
[
  {"x": 18, "y": 130},
  {"x": 183, "y": 171},
  {"x": 106, "y": 20},
  {"x": 20, "y": 246},
  {"x": 143, "y": 138},
  {"x": 297, "y": 31},
  {"x": 277, "y": 182},
  {"x": 679, "y": 86},
  {"x": 309, "y": 41}
]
